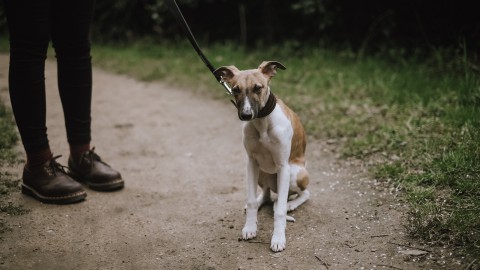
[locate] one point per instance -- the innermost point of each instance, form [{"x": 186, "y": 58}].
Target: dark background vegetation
[
  {"x": 362, "y": 26},
  {"x": 369, "y": 25}
]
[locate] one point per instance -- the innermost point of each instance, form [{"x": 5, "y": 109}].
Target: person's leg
[
  {"x": 71, "y": 40},
  {"x": 71, "y": 21},
  {"x": 29, "y": 28}
]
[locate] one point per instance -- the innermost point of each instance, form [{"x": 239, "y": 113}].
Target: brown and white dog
[{"x": 274, "y": 140}]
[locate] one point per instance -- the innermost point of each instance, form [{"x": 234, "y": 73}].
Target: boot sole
[{"x": 68, "y": 199}]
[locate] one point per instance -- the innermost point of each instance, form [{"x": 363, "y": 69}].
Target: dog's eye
[
  {"x": 257, "y": 88},
  {"x": 236, "y": 90}
]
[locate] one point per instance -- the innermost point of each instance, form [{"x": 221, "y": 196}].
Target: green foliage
[
  {"x": 9, "y": 136},
  {"x": 8, "y": 139},
  {"x": 416, "y": 118}
]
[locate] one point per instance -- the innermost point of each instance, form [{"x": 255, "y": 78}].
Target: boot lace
[
  {"x": 90, "y": 156},
  {"x": 54, "y": 167}
]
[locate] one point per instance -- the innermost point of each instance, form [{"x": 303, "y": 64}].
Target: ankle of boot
[
  {"x": 38, "y": 158},
  {"x": 76, "y": 151}
]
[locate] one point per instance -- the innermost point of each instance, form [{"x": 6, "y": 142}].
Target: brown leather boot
[
  {"x": 49, "y": 183},
  {"x": 93, "y": 172}
]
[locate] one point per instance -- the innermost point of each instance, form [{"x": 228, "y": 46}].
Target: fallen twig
[
  {"x": 468, "y": 266},
  {"x": 409, "y": 246},
  {"x": 391, "y": 266},
  {"x": 380, "y": 235},
  {"x": 322, "y": 261},
  {"x": 350, "y": 245},
  {"x": 252, "y": 241}
]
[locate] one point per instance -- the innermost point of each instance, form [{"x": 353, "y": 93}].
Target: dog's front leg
[
  {"x": 250, "y": 229},
  {"x": 280, "y": 210}
]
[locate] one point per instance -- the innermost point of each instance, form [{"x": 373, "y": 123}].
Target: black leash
[{"x": 172, "y": 5}]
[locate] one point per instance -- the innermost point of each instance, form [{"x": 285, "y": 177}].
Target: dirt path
[{"x": 182, "y": 208}]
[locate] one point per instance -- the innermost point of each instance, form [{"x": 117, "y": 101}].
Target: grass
[
  {"x": 9, "y": 135},
  {"x": 416, "y": 118},
  {"x": 8, "y": 157},
  {"x": 8, "y": 182}
]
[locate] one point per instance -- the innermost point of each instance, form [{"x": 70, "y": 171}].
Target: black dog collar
[{"x": 269, "y": 106}]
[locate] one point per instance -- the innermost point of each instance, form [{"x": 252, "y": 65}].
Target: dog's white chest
[
  {"x": 264, "y": 159},
  {"x": 268, "y": 145},
  {"x": 262, "y": 154}
]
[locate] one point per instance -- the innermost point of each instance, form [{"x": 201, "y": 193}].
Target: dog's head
[{"x": 250, "y": 87}]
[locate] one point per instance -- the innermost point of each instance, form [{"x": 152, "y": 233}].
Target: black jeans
[{"x": 32, "y": 25}]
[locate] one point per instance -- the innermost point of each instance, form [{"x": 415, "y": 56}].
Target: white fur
[
  {"x": 247, "y": 107},
  {"x": 268, "y": 142}
]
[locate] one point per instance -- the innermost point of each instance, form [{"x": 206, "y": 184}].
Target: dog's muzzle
[
  {"x": 246, "y": 117},
  {"x": 246, "y": 110}
]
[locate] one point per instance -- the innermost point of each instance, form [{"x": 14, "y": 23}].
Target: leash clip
[
  {"x": 227, "y": 89},
  {"x": 226, "y": 86}
]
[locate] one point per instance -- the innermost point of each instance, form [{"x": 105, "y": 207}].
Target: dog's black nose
[{"x": 245, "y": 116}]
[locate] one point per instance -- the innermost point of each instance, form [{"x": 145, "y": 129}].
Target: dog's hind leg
[
  {"x": 265, "y": 181},
  {"x": 264, "y": 197},
  {"x": 298, "y": 184},
  {"x": 302, "y": 197}
]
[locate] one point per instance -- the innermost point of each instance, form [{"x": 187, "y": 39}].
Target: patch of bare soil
[{"x": 183, "y": 161}]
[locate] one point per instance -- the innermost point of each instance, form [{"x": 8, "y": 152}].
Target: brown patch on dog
[
  {"x": 302, "y": 179},
  {"x": 299, "y": 142}
]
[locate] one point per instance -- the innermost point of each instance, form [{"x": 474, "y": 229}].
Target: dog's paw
[
  {"x": 249, "y": 232},
  {"x": 278, "y": 242},
  {"x": 290, "y": 219},
  {"x": 292, "y": 205}
]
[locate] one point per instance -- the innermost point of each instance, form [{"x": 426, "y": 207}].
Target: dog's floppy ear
[
  {"x": 269, "y": 68},
  {"x": 226, "y": 72}
]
